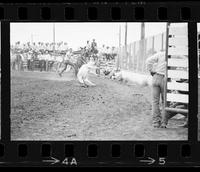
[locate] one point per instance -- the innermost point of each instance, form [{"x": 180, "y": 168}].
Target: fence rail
[{"x": 133, "y": 58}]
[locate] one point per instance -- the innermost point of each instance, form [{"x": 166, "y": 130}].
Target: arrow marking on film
[
  {"x": 149, "y": 160},
  {"x": 52, "y": 160}
]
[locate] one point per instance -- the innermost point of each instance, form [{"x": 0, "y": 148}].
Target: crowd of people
[
  {"x": 43, "y": 54},
  {"x": 40, "y": 47}
]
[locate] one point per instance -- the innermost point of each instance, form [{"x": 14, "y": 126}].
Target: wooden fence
[
  {"x": 177, "y": 73},
  {"x": 138, "y": 51}
]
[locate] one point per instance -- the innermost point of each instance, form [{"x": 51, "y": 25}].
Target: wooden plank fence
[
  {"x": 138, "y": 51},
  {"x": 177, "y": 72}
]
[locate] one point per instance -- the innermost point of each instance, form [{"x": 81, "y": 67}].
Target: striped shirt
[{"x": 157, "y": 63}]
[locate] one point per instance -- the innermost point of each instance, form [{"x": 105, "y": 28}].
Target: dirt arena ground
[{"x": 47, "y": 107}]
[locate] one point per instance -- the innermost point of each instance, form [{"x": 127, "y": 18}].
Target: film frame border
[
  {"x": 140, "y": 11},
  {"x": 125, "y": 151}
]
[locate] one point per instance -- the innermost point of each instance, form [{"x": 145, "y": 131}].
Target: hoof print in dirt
[{"x": 84, "y": 86}]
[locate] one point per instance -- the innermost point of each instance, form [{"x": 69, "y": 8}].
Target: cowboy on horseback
[{"x": 76, "y": 65}]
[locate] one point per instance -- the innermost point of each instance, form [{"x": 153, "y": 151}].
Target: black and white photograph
[
  {"x": 198, "y": 44},
  {"x": 0, "y": 80},
  {"x": 99, "y": 81}
]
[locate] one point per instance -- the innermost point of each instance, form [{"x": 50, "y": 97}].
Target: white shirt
[{"x": 157, "y": 63}]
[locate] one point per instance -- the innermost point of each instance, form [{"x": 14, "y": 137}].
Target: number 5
[{"x": 162, "y": 161}]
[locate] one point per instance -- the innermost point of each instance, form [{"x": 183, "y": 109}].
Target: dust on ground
[{"x": 47, "y": 107}]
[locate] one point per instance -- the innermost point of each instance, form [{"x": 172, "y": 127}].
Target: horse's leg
[
  {"x": 17, "y": 65},
  {"x": 61, "y": 72}
]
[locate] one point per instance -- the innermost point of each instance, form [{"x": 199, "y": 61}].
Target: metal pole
[
  {"x": 143, "y": 44},
  {"x": 119, "y": 53},
  {"x": 54, "y": 37},
  {"x": 141, "y": 49},
  {"x": 142, "y": 36},
  {"x": 125, "y": 43},
  {"x": 31, "y": 38}
]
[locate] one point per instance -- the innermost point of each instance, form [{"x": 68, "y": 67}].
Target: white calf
[{"x": 141, "y": 79}]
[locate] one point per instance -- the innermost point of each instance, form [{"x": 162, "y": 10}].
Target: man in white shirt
[
  {"x": 156, "y": 65},
  {"x": 88, "y": 47}
]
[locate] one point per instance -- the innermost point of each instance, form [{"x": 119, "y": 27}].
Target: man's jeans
[{"x": 157, "y": 92}]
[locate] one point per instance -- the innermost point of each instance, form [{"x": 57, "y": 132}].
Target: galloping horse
[{"x": 76, "y": 66}]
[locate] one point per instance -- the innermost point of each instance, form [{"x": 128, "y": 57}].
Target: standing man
[
  {"x": 156, "y": 65},
  {"x": 88, "y": 46},
  {"x": 102, "y": 52},
  {"x": 93, "y": 45},
  {"x": 88, "y": 50},
  {"x": 107, "y": 53},
  {"x": 94, "y": 50}
]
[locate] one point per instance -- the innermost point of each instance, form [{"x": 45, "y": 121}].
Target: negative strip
[
  {"x": 0, "y": 80},
  {"x": 88, "y": 91},
  {"x": 198, "y": 44}
]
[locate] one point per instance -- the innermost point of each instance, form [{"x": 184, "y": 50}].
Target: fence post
[
  {"x": 121, "y": 57},
  {"x": 118, "y": 59},
  {"x": 162, "y": 42},
  {"x": 153, "y": 44},
  {"x": 129, "y": 57},
  {"x": 144, "y": 55},
  {"x": 133, "y": 57},
  {"x": 141, "y": 55},
  {"x": 138, "y": 58},
  {"x": 166, "y": 73}
]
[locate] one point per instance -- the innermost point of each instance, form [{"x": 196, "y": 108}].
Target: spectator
[
  {"x": 113, "y": 53},
  {"x": 107, "y": 53},
  {"x": 157, "y": 84},
  {"x": 102, "y": 52},
  {"x": 94, "y": 47},
  {"x": 65, "y": 46}
]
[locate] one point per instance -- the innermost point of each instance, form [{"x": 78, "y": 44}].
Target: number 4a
[{"x": 66, "y": 161}]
